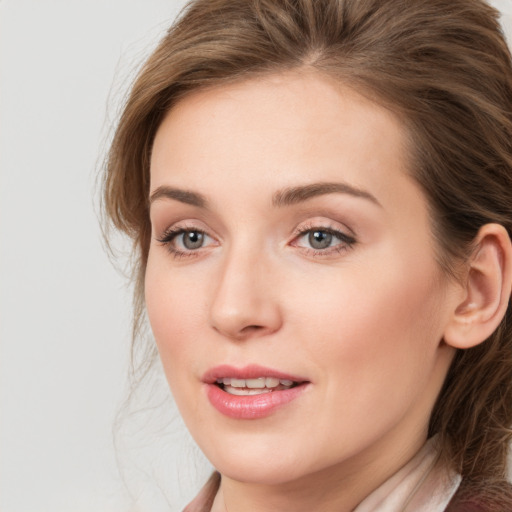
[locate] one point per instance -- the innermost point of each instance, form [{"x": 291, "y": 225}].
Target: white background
[{"x": 65, "y": 312}]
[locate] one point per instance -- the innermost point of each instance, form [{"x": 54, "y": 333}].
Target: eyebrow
[
  {"x": 294, "y": 195},
  {"x": 286, "y": 197},
  {"x": 183, "y": 196}
]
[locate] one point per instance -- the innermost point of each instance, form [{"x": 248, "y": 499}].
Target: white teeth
[
  {"x": 256, "y": 383},
  {"x": 271, "y": 382},
  {"x": 259, "y": 383},
  {"x": 245, "y": 391}
]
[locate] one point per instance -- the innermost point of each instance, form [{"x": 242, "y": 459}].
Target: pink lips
[{"x": 249, "y": 406}]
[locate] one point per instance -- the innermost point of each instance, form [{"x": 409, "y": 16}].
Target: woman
[{"x": 320, "y": 197}]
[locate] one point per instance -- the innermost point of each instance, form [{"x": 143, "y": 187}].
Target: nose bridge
[{"x": 244, "y": 302}]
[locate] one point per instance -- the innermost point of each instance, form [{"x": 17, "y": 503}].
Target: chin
[
  {"x": 269, "y": 472},
  {"x": 259, "y": 462}
]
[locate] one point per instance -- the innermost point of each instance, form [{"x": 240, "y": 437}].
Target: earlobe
[{"x": 486, "y": 290}]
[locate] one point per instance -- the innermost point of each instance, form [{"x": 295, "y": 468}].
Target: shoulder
[{"x": 487, "y": 497}]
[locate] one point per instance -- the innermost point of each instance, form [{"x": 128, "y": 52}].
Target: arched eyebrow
[
  {"x": 178, "y": 194},
  {"x": 294, "y": 195},
  {"x": 285, "y": 197}
]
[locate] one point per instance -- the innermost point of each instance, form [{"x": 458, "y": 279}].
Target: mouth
[
  {"x": 251, "y": 392},
  {"x": 257, "y": 386}
]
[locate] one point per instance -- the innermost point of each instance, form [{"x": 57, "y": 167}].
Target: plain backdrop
[{"x": 65, "y": 312}]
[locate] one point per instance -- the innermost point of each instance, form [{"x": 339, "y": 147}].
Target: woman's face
[{"x": 289, "y": 244}]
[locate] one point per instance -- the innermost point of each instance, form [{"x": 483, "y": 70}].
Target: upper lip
[{"x": 252, "y": 371}]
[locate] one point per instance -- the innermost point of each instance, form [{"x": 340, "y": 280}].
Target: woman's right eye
[
  {"x": 184, "y": 241},
  {"x": 191, "y": 239}
]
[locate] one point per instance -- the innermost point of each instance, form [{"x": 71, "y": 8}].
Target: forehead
[{"x": 277, "y": 129}]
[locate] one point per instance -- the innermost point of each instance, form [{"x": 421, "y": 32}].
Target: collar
[{"x": 422, "y": 485}]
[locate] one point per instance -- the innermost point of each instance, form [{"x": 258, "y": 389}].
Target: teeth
[
  {"x": 255, "y": 384},
  {"x": 245, "y": 391},
  {"x": 238, "y": 383},
  {"x": 271, "y": 382}
]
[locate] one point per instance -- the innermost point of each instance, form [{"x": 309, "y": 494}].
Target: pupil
[
  {"x": 320, "y": 239},
  {"x": 193, "y": 240}
]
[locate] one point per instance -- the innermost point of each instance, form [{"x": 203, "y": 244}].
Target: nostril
[{"x": 252, "y": 328}]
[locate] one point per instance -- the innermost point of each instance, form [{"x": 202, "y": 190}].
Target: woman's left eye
[{"x": 321, "y": 239}]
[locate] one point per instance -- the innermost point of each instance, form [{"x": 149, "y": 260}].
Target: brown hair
[{"x": 442, "y": 66}]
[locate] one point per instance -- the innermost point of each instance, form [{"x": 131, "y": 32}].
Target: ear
[{"x": 486, "y": 291}]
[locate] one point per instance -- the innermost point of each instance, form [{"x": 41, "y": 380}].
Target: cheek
[
  {"x": 377, "y": 327},
  {"x": 373, "y": 341},
  {"x": 173, "y": 303}
]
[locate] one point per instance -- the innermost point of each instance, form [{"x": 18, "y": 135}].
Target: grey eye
[
  {"x": 320, "y": 239},
  {"x": 192, "y": 239}
]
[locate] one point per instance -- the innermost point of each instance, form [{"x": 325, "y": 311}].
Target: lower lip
[{"x": 251, "y": 407}]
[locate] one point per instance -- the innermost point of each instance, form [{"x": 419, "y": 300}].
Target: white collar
[{"x": 422, "y": 485}]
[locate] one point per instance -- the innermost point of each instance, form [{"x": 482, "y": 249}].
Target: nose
[{"x": 245, "y": 302}]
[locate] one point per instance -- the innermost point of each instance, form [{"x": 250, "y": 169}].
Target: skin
[{"x": 362, "y": 322}]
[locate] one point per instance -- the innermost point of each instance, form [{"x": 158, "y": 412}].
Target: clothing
[
  {"x": 204, "y": 500},
  {"x": 487, "y": 496},
  {"x": 422, "y": 485}
]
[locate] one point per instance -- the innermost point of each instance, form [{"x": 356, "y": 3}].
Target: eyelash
[
  {"x": 171, "y": 234},
  {"x": 346, "y": 241}
]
